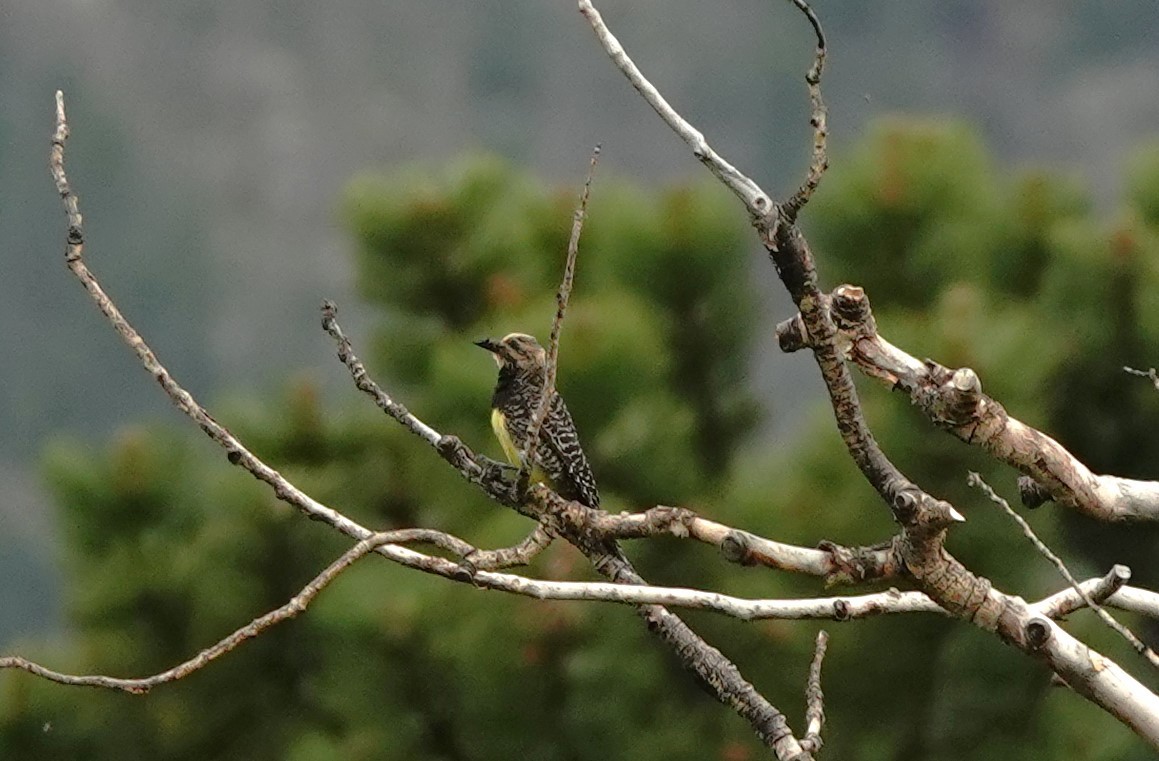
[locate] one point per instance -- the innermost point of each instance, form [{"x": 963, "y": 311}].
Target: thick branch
[
  {"x": 953, "y": 400},
  {"x": 1139, "y": 646},
  {"x": 924, "y": 519},
  {"x": 835, "y": 563}
]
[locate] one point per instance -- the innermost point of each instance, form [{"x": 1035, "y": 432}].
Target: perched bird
[{"x": 557, "y": 457}]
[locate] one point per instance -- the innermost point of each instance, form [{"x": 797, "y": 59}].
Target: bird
[{"x": 557, "y": 457}]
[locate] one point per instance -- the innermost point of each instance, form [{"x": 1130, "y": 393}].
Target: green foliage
[{"x": 169, "y": 549}]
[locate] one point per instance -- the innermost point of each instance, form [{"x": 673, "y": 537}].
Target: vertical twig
[
  {"x": 561, "y": 299},
  {"x": 815, "y": 698},
  {"x": 818, "y": 119}
]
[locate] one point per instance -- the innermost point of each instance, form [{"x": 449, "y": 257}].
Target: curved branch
[
  {"x": 755, "y": 200},
  {"x": 818, "y": 119},
  {"x": 385, "y": 542}
]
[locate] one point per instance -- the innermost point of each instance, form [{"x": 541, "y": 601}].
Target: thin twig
[
  {"x": 1068, "y": 601},
  {"x": 815, "y": 698},
  {"x": 520, "y": 554},
  {"x": 1148, "y": 373},
  {"x": 755, "y": 200},
  {"x": 365, "y": 384},
  {"x": 291, "y": 609},
  {"x": 818, "y": 119},
  {"x": 561, "y": 299},
  {"x": 236, "y": 453},
  {"x": 1140, "y": 647}
]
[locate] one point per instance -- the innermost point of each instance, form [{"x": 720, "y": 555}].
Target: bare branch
[
  {"x": 182, "y": 399},
  {"x": 1148, "y": 373},
  {"x": 1069, "y": 600},
  {"x": 291, "y": 609},
  {"x": 834, "y": 608},
  {"x": 521, "y": 554},
  {"x": 818, "y": 119},
  {"x": 815, "y": 698},
  {"x": 835, "y": 563},
  {"x": 365, "y": 384},
  {"x": 953, "y": 400},
  {"x": 924, "y": 519},
  {"x": 755, "y": 200},
  {"x": 976, "y": 480},
  {"x": 561, "y": 299},
  {"x": 487, "y": 474},
  {"x": 1130, "y": 599}
]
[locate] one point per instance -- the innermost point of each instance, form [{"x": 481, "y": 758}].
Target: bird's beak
[{"x": 488, "y": 344}]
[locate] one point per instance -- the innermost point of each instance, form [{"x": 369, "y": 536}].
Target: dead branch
[
  {"x": 817, "y": 119},
  {"x": 561, "y": 299},
  {"x": 1141, "y": 648},
  {"x": 923, "y": 518},
  {"x": 716, "y": 673},
  {"x": 755, "y": 199},
  {"x": 1131, "y": 599},
  {"x": 946, "y": 586},
  {"x": 815, "y": 698},
  {"x": 953, "y": 400},
  {"x": 291, "y": 609},
  {"x": 1148, "y": 373}
]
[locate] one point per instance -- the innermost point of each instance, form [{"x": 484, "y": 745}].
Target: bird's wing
[{"x": 560, "y": 452}]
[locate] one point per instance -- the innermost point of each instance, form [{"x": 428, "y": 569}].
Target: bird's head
[{"x": 516, "y": 350}]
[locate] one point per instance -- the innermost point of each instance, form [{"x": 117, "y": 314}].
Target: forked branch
[
  {"x": 924, "y": 518},
  {"x": 953, "y": 400}
]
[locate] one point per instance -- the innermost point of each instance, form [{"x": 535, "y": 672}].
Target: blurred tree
[{"x": 170, "y": 550}]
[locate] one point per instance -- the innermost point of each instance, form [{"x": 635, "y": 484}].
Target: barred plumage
[{"x": 558, "y": 455}]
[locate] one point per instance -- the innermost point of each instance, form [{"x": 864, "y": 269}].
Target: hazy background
[{"x": 212, "y": 140}]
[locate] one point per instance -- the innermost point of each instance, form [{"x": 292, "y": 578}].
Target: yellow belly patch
[{"x": 499, "y": 425}]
